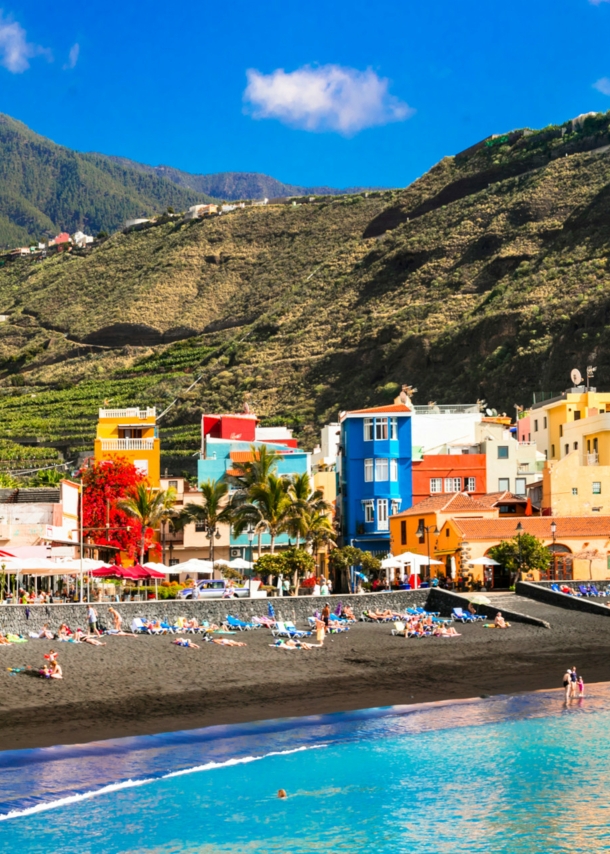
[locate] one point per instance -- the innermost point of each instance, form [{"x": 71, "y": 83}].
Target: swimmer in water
[{"x": 281, "y": 793}]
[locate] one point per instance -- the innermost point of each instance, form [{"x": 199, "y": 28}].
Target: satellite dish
[
  {"x": 488, "y": 412},
  {"x": 494, "y": 412},
  {"x": 576, "y": 377}
]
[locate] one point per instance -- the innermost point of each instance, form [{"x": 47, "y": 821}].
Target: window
[
  {"x": 507, "y": 508},
  {"x": 200, "y": 526},
  {"x": 502, "y": 452},
  {"x": 393, "y": 428},
  {"x": 574, "y": 490},
  {"x": 595, "y": 446},
  {"x": 552, "y": 451},
  {"x": 597, "y": 487},
  {"x": 453, "y": 484},
  {"x": 382, "y": 514},
  {"x": 560, "y": 431},
  {"x": 447, "y": 532},
  {"x": 546, "y": 454},
  {"x": 575, "y": 446},
  {"x": 503, "y": 484},
  {"x": 436, "y": 485},
  {"x": 567, "y": 449},
  {"x": 172, "y": 484},
  {"x": 520, "y": 486},
  {"x": 368, "y": 471},
  {"x": 535, "y": 426},
  {"x": 368, "y": 429},
  {"x": 403, "y": 532},
  {"x": 369, "y": 511},
  {"x": 395, "y": 506},
  {"x": 544, "y": 422},
  {"x": 577, "y": 415},
  {"x": 174, "y": 561},
  {"x": 381, "y": 469},
  {"x": 420, "y": 526},
  {"x": 470, "y": 484},
  {"x": 393, "y": 469},
  {"x": 381, "y": 428}
]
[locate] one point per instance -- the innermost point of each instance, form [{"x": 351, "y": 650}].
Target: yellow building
[
  {"x": 577, "y": 420},
  {"x": 130, "y": 433},
  {"x": 571, "y": 488}
]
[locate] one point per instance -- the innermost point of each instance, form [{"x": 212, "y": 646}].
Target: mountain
[
  {"x": 46, "y": 188},
  {"x": 235, "y": 186},
  {"x": 488, "y": 277}
]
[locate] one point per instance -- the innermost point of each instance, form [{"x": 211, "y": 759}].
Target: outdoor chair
[
  {"x": 463, "y": 616},
  {"x": 399, "y": 629}
]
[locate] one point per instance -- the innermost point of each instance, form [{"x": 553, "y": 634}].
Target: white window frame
[
  {"x": 453, "y": 484},
  {"x": 382, "y": 514},
  {"x": 504, "y": 488},
  {"x": 381, "y": 429},
  {"x": 394, "y": 469},
  {"x": 369, "y": 429},
  {"x": 368, "y": 470},
  {"x": 394, "y": 428},
  {"x": 395, "y": 506},
  {"x": 523, "y": 480},
  {"x": 369, "y": 510},
  {"x": 436, "y": 485},
  {"x": 595, "y": 491},
  {"x": 382, "y": 472},
  {"x": 470, "y": 484}
]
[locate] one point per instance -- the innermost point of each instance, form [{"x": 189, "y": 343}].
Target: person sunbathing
[
  {"x": 444, "y": 631},
  {"x": 500, "y": 622},
  {"x": 44, "y": 633},
  {"x": 380, "y": 615},
  {"x": 64, "y": 632},
  {"x": 348, "y": 614},
  {"x": 185, "y": 642},
  {"x": 292, "y": 644},
  {"x": 81, "y": 637},
  {"x": 4, "y": 640},
  {"x": 227, "y": 642}
]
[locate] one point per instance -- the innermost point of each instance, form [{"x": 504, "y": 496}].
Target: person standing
[
  {"x": 92, "y": 620},
  {"x": 567, "y": 683},
  {"x": 320, "y": 631},
  {"x": 574, "y": 685},
  {"x": 581, "y": 687},
  {"x": 326, "y": 615}
]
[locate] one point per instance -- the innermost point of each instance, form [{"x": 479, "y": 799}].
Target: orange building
[{"x": 438, "y": 474}]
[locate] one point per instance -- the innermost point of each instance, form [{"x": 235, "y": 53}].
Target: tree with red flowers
[{"x": 106, "y": 483}]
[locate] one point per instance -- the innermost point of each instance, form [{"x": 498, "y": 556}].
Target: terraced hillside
[{"x": 487, "y": 278}]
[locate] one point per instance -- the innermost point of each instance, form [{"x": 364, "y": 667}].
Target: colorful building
[
  {"x": 575, "y": 420},
  {"x": 436, "y": 474},
  {"x": 571, "y": 488},
  {"x": 375, "y": 473},
  {"x": 130, "y": 433}
]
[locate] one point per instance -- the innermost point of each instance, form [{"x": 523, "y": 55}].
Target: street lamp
[
  {"x": 422, "y": 531},
  {"x": 519, "y": 532},
  {"x": 250, "y": 534},
  {"x": 211, "y": 531},
  {"x": 553, "y": 532}
]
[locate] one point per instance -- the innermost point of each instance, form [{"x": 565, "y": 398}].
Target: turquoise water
[{"x": 511, "y": 774}]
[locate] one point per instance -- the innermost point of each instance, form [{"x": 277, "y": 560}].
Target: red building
[{"x": 438, "y": 474}]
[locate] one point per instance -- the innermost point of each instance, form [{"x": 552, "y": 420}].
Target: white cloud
[
  {"x": 324, "y": 98},
  {"x": 15, "y": 50},
  {"x": 72, "y": 57},
  {"x": 603, "y": 85}
]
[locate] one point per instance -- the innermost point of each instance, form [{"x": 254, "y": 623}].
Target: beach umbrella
[
  {"x": 238, "y": 563},
  {"x": 195, "y": 565},
  {"x": 126, "y": 572},
  {"x": 484, "y": 561},
  {"x": 222, "y": 562},
  {"x": 392, "y": 563},
  {"x": 479, "y": 599},
  {"x": 162, "y": 568},
  {"x": 416, "y": 559}
]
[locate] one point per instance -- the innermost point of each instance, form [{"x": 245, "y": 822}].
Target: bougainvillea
[{"x": 105, "y": 483}]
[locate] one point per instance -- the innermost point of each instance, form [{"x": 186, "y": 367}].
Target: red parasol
[{"x": 116, "y": 572}]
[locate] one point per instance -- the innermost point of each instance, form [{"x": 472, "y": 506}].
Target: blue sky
[{"x": 336, "y": 92}]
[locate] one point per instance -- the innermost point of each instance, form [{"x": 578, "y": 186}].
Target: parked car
[{"x": 212, "y": 589}]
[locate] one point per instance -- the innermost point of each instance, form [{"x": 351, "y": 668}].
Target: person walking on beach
[
  {"x": 92, "y": 620},
  {"x": 567, "y": 683}
]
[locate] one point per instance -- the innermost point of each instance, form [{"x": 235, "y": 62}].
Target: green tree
[
  {"x": 251, "y": 473},
  {"x": 269, "y": 509},
  {"x": 522, "y": 553},
  {"x": 271, "y": 564},
  {"x": 298, "y": 563},
  {"x": 213, "y": 511},
  {"x": 148, "y": 506},
  {"x": 305, "y": 504}
]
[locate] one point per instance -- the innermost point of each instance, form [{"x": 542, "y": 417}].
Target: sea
[{"x": 522, "y": 773}]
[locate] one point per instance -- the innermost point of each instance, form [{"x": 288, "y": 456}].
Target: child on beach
[{"x": 581, "y": 687}]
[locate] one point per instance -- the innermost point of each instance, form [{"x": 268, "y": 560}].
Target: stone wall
[
  {"x": 445, "y": 601},
  {"x": 541, "y": 592},
  {"x": 13, "y": 617}
]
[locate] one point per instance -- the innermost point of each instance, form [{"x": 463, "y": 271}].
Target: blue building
[
  {"x": 375, "y": 474},
  {"x": 228, "y": 439}
]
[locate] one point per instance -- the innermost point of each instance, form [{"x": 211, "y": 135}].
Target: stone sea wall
[
  {"x": 542, "y": 592},
  {"x": 445, "y": 601},
  {"x": 22, "y": 619}
]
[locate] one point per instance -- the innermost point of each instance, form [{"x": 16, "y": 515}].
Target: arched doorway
[{"x": 561, "y": 567}]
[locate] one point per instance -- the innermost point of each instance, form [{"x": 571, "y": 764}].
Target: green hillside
[
  {"x": 486, "y": 278},
  {"x": 45, "y": 188}
]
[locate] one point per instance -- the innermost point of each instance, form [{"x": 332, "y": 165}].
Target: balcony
[
  {"x": 127, "y": 444},
  {"x": 134, "y": 412},
  {"x": 592, "y": 459}
]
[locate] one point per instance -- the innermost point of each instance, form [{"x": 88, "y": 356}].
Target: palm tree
[
  {"x": 256, "y": 471},
  {"x": 305, "y": 503},
  {"x": 149, "y": 507},
  {"x": 319, "y": 532},
  {"x": 269, "y": 508},
  {"x": 214, "y": 510}
]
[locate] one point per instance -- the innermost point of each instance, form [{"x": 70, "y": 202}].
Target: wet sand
[{"x": 135, "y": 686}]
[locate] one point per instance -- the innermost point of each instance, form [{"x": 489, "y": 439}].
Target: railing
[
  {"x": 134, "y": 412},
  {"x": 592, "y": 459},
  {"x": 528, "y": 444},
  {"x": 446, "y": 409},
  {"x": 523, "y": 468},
  {"x": 127, "y": 444}
]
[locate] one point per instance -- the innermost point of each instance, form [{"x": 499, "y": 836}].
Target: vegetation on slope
[{"x": 487, "y": 278}]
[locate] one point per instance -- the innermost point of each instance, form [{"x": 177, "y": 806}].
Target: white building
[
  {"x": 434, "y": 427},
  {"x": 81, "y": 240},
  {"x": 198, "y": 211},
  {"x": 325, "y": 454}
]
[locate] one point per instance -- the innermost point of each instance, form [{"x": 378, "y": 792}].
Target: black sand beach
[{"x": 135, "y": 686}]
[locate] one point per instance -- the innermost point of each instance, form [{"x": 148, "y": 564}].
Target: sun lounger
[
  {"x": 288, "y": 630},
  {"x": 137, "y": 626},
  {"x": 399, "y": 629},
  {"x": 555, "y": 588},
  {"x": 240, "y": 625},
  {"x": 595, "y": 590},
  {"x": 463, "y": 616}
]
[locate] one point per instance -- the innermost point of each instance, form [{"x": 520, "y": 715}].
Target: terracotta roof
[
  {"x": 394, "y": 407},
  {"x": 491, "y": 499},
  {"x": 457, "y": 502},
  {"x": 242, "y": 456},
  {"x": 539, "y": 526}
]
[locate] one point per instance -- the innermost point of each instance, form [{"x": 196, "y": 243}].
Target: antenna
[
  {"x": 576, "y": 377},
  {"x": 590, "y": 374}
]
